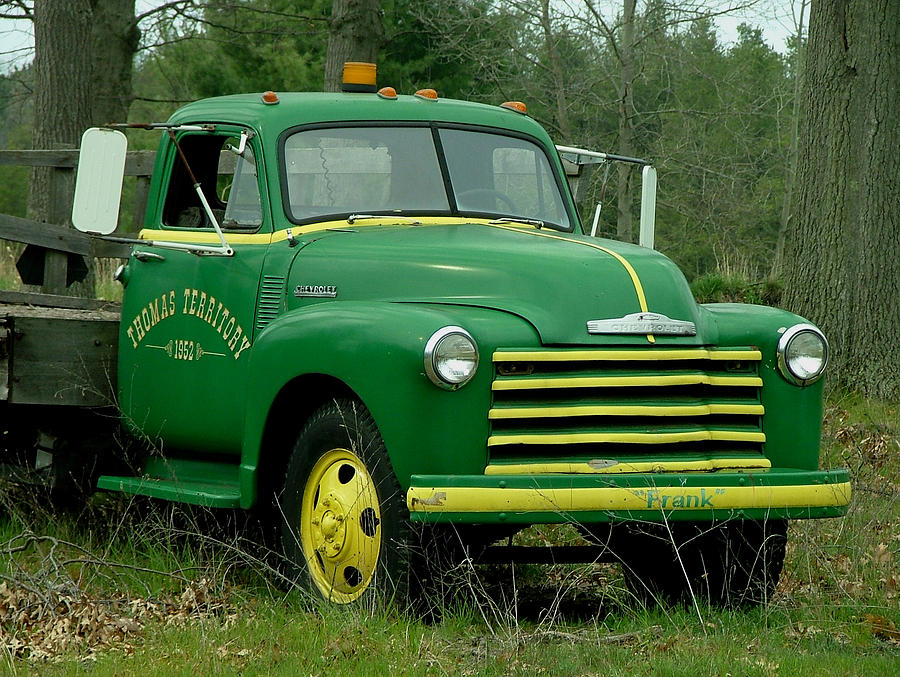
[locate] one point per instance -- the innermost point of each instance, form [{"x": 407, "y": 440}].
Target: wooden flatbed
[{"x": 57, "y": 350}]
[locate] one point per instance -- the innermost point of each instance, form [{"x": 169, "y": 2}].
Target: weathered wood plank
[
  {"x": 62, "y": 362},
  {"x": 113, "y": 250},
  {"x": 62, "y": 188},
  {"x": 22, "y": 298},
  {"x": 137, "y": 162},
  {"x": 141, "y": 195},
  {"x": 56, "y": 266},
  {"x": 60, "y": 238},
  {"x": 4, "y": 361}
]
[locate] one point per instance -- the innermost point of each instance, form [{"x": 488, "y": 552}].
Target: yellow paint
[
  {"x": 626, "y": 410},
  {"x": 625, "y": 381},
  {"x": 204, "y": 237},
  {"x": 664, "y": 499},
  {"x": 624, "y": 355},
  {"x": 208, "y": 236},
  {"x": 628, "y": 438},
  {"x": 706, "y": 465},
  {"x": 635, "y": 280}
]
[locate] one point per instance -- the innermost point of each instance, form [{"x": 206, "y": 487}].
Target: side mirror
[
  {"x": 98, "y": 183},
  {"x": 648, "y": 206}
]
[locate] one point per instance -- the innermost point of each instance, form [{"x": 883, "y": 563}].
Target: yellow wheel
[
  {"x": 345, "y": 527},
  {"x": 340, "y": 526}
]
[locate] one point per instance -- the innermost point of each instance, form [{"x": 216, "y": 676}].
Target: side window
[
  {"x": 229, "y": 182},
  {"x": 239, "y": 189}
]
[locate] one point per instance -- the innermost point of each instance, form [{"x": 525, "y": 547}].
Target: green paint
[{"x": 212, "y": 346}]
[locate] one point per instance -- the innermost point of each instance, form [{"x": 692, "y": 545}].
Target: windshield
[{"x": 390, "y": 170}]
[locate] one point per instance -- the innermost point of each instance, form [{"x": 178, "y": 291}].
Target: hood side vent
[{"x": 271, "y": 293}]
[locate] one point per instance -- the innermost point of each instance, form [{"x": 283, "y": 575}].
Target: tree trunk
[
  {"x": 62, "y": 111},
  {"x": 355, "y": 34},
  {"x": 626, "y": 123},
  {"x": 784, "y": 220},
  {"x": 556, "y": 68},
  {"x": 61, "y": 84},
  {"x": 843, "y": 251},
  {"x": 114, "y": 38}
]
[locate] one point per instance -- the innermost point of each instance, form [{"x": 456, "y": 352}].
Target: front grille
[{"x": 625, "y": 404}]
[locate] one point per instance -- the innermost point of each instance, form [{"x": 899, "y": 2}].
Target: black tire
[
  {"x": 345, "y": 529},
  {"x": 734, "y": 564}
]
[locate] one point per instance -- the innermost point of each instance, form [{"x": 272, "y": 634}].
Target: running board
[{"x": 206, "y": 483}]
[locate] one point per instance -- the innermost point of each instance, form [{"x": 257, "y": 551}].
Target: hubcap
[{"x": 340, "y": 526}]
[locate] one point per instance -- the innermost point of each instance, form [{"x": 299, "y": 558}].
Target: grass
[{"x": 150, "y": 589}]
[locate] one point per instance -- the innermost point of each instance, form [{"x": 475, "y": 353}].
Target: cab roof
[{"x": 294, "y": 109}]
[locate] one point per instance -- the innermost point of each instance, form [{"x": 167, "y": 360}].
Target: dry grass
[{"x": 135, "y": 586}]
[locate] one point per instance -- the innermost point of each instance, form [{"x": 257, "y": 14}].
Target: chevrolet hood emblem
[{"x": 643, "y": 323}]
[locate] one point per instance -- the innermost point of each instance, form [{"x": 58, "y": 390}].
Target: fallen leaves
[
  {"x": 883, "y": 628},
  {"x": 38, "y": 626}
]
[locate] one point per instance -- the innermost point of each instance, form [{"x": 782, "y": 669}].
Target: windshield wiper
[
  {"x": 531, "y": 222},
  {"x": 353, "y": 218}
]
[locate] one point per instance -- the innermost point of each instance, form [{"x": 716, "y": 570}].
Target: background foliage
[{"x": 716, "y": 119}]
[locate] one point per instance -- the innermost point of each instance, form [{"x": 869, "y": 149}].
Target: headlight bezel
[
  {"x": 784, "y": 358},
  {"x": 432, "y": 354}
]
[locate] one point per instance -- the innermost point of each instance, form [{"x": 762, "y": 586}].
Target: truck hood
[{"x": 556, "y": 281}]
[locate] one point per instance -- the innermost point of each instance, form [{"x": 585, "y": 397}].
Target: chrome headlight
[
  {"x": 451, "y": 357},
  {"x": 802, "y": 354}
]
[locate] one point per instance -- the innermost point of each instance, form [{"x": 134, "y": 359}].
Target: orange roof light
[
  {"x": 429, "y": 94},
  {"x": 387, "y": 93},
  {"x": 359, "y": 76},
  {"x": 270, "y": 97},
  {"x": 517, "y": 106}
]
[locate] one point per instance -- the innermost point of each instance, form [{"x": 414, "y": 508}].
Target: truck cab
[{"x": 382, "y": 315}]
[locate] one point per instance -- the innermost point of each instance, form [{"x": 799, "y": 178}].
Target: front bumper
[{"x": 777, "y": 493}]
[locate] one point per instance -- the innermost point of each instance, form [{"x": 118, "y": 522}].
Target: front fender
[
  {"x": 793, "y": 419},
  {"x": 377, "y": 350}
]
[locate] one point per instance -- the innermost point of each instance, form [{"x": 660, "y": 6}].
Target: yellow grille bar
[
  {"x": 625, "y": 381},
  {"x": 628, "y": 438},
  {"x": 624, "y": 355},
  {"x": 626, "y": 410},
  {"x": 585, "y": 468}
]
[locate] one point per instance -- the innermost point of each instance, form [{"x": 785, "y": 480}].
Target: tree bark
[
  {"x": 843, "y": 252},
  {"x": 626, "y": 123},
  {"x": 62, "y": 111},
  {"x": 784, "y": 220},
  {"x": 355, "y": 33},
  {"x": 556, "y": 68},
  {"x": 61, "y": 85},
  {"x": 114, "y": 39}
]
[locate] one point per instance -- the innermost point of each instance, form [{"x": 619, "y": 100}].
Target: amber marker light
[
  {"x": 359, "y": 76},
  {"x": 517, "y": 106},
  {"x": 429, "y": 94},
  {"x": 270, "y": 97},
  {"x": 387, "y": 93}
]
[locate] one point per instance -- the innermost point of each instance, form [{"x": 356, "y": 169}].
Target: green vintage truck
[{"x": 382, "y": 315}]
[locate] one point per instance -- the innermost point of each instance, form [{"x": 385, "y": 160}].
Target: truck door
[{"x": 187, "y": 318}]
